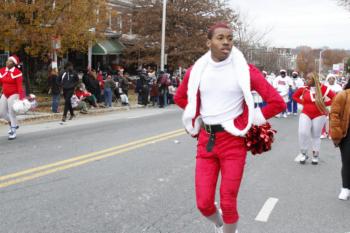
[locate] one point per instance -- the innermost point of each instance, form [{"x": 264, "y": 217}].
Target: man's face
[
  {"x": 221, "y": 44},
  {"x": 283, "y": 74},
  {"x": 331, "y": 81},
  {"x": 10, "y": 64},
  {"x": 70, "y": 68}
]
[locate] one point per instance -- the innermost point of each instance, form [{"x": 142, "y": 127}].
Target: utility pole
[
  {"x": 320, "y": 63},
  {"x": 162, "y": 55}
]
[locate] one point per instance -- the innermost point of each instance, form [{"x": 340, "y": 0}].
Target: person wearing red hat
[
  {"x": 219, "y": 109},
  {"x": 11, "y": 81}
]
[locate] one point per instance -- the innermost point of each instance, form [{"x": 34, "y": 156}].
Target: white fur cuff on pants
[{"x": 259, "y": 118}]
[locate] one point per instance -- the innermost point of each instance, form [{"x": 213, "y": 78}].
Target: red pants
[{"x": 228, "y": 156}]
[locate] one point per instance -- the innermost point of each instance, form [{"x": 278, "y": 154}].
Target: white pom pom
[{"x": 21, "y": 106}]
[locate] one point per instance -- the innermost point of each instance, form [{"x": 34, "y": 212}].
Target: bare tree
[
  {"x": 248, "y": 37},
  {"x": 186, "y": 29},
  {"x": 306, "y": 60},
  {"x": 333, "y": 56},
  {"x": 344, "y": 3}
]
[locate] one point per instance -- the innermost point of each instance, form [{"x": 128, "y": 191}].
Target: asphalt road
[{"x": 145, "y": 184}]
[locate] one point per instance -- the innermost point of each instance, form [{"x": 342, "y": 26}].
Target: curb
[{"x": 33, "y": 117}]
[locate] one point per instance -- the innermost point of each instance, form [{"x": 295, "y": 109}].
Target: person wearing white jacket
[
  {"x": 282, "y": 84},
  {"x": 336, "y": 88},
  {"x": 297, "y": 83}
]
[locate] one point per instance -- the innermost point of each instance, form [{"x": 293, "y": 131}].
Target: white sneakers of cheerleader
[
  {"x": 12, "y": 133},
  {"x": 344, "y": 194},
  {"x": 302, "y": 158}
]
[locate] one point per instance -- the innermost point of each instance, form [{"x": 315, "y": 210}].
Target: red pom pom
[{"x": 259, "y": 139}]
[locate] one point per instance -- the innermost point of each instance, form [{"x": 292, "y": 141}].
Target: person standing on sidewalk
[
  {"x": 55, "y": 89},
  {"x": 339, "y": 131},
  {"x": 219, "y": 109},
  {"x": 109, "y": 87},
  {"x": 11, "y": 80},
  {"x": 69, "y": 80},
  {"x": 313, "y": 116},
  {"x": 145, "y": 87}
]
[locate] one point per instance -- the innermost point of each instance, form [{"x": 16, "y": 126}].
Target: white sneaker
[
  {"x": 297, "y": 159},
  {"x": 295, "y": 114},
  {"x": 323, "y": 136},
  {"x": 344, "y": 194},
  {"x": 314, "y": 160},
  {"x": 289, "y": 113},
  {"x": 303, "y": 158},
  {"x": 278, "y": 115},
  {"x": 12, "y": 134},
  {"x": 285, "y": 115}
]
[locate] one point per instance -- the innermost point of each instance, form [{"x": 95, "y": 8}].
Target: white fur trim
[
  {"x": 327, "y": 92},
  {"x": 241, "y": 71},
  {"x": 259, "y": 118},
  {"x": 13, "y": 59},
  {"x": 16, "y": 76}
]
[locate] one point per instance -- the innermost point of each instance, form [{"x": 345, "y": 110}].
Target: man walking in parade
[{"x": 219, "y": 110}]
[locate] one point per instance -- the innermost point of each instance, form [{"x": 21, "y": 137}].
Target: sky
[{"x": 315, "y": 23}]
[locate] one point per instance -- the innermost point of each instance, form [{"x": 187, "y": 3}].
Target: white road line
[
  {"x": 266, "y": 210},
  {"x": 142, "y": 116}
]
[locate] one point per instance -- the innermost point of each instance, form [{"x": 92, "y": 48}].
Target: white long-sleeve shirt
[
  {"x": 282, "y": 85},
  {"x": 221, "y": 96}
]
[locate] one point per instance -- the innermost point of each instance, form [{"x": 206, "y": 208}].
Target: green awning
[{"x": 107, "y": 47}]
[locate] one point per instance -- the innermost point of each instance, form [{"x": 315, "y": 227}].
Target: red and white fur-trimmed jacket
[
  {"x": 188, "y": 98},
  {"x": 11, "y": 81}
]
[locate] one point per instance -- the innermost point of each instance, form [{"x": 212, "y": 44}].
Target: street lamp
[
  {"x": 92, "y": 31},
  {"x": 320, "y": 62},
  {"x": 162, "y": 55}
]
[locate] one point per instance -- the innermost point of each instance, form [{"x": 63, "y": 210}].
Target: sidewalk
[{"x": 37, "y": 117}]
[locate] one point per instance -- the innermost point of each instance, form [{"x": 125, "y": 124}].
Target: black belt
[{"x": 211, "y": 130}]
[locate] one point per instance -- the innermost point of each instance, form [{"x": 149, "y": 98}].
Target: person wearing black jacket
[
  {"x": 69, "y": 80},
  {"x": 55, "y": 89},
  {"x": 145, "y": 86}
]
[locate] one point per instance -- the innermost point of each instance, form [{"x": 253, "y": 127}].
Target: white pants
[
  {"x": 6, "y": 109},
  {"x": 310, "y": 130}
]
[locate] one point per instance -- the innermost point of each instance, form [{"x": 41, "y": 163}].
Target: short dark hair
[{"x": 217, "y": 25}]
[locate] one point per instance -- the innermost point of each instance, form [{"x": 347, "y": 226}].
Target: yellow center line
[
  {"x": 82, "y": 162},
  {"x": 44, "y": 167}
]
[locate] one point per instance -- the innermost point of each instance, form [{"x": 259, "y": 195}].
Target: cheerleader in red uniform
[
  {"x": 313, "y": 116},
  {"x": 11, "y": 81},
  {"x": 219, "y": 110}
]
